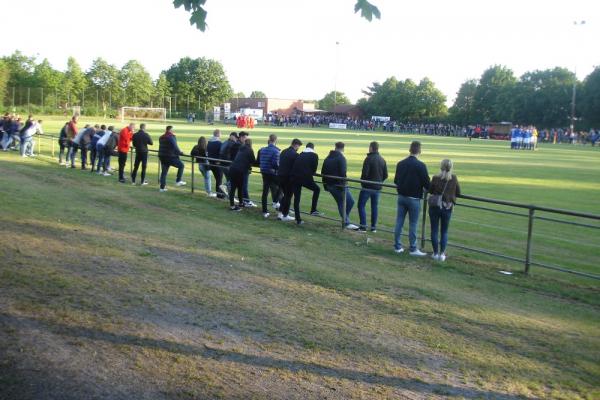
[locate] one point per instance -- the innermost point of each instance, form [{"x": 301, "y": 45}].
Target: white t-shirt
[{"x": 104, "y": 138}]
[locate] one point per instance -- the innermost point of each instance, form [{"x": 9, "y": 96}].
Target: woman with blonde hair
[{"x": 442, "y": 197}]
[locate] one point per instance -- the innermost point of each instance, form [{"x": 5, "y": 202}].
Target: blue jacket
[{"x": 268, "y": 159}]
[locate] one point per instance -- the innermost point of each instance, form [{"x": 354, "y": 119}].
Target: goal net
[{"x": 129, "y": 113}]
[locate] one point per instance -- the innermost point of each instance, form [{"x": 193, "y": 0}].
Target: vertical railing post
[
  {"x": 424, "y": 220},
  {"x": 344, "y": 188},
  {"x": 131, "y": 161},
  {"x": 529, "y": 240},
  {"x": 193, "y": 159}
]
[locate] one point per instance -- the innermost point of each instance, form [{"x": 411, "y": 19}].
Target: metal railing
[{"x": 531, "y": 214}]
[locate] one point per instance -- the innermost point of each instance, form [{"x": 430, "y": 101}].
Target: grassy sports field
[
  {"x": 560, "y": 176},
  {"x": 114, "y": 291}
]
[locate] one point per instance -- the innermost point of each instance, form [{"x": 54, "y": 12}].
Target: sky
[{"x": 287, "y": 48}]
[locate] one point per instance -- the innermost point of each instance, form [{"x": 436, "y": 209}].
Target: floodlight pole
[
  {"x": 573, "y": 98},
  {"x": 337, "y": 54}
]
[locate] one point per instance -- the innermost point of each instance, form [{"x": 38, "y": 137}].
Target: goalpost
[{"x": 129, "y": 113}]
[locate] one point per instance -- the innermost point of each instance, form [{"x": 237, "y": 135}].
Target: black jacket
[
  {"x": 374, "y": 169},
  {"x": 243, "y": 160},
  {"x": 225, "y": 152},
  {"x": 411, "y": 177},
  {"x": 334, "y": 165},
  {"x": 111, "y": 143},
  {"x": 196, "y": 152},
  {"x": 213, "y": 148},
  {"x": 305, "y": 167},
  {"x": 286, "y": 162},
  {"x": 141, "y": 140},
  {"x": 167, "y": 146}
]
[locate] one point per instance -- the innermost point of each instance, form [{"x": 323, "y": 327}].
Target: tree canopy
[
  {"x": 257, "y": 94},
  {"x": 331, "y": 99},
  {"x": 198, "y": 13}
]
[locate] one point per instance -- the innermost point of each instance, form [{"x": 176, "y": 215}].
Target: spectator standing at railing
[
  {"x": 335, "y": 165},
  {"x": 71, "y": 133},
  {"x": 286, "y": 163},
  {"x": 27, "y": 141},
  {"x": 239, "y": 169},
  {"x": 213, "y": 149},
  {"x": 125, "y": 137},
  {"x": 446, "y": 185},
  {"x": 100, "y": 153},
  {"x": 109, "y": 149},
  {"x": 411, "y": 179},
  {"x": 243, "y": 136},
  {"x": 302, "y": 174},
  {"x": 199, "y": 154},
  {"x": 374, "y": 169},
  {"x": 93, "y": 147},
  {"x": 12, "y": 133},
  {"x": 62, "y": 145},
  {"x": 227, "y": 152},
  {"x": 168, "y": 154},
  {"x": 74, "y": 146},
  {"x": 268, "y": 160},
  {"x": 141, "y": 140}
]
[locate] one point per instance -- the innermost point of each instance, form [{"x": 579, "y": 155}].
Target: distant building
[
  {"x": 349, "y": 110},
  {"x": 284, "y": 107}
]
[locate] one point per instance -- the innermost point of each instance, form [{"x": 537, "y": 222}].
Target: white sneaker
[
  {"x": 276, "y": 205},
  {"x": 180, "y": 183},
  {"x": 106, "y": 174},
  {"x": 418, "y": 253},
  {"x": 400, "y": 250},
  {"x": 132, "y": 183},
  {"x": 249, "y": 204},
  {"x": 288, "y": 218},
  {"x": 162, "y": 190},
  {"x": 224, "y": 189},
  {"x": 212, "y": 195},
  {"x": 442, "y": 257},
  {"x": 279, "y": 216},
  {"x": 144, "y": 183},
  {"x": 351, "y": 227},
  {"x": 435, "y": 257},
  {"x": 266, "y": 215}
]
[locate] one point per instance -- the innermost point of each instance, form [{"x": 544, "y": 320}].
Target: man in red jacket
[{"x": 123, "y": 147}]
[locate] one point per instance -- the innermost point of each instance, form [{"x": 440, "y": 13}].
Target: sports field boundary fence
[{"x": 528, "y": 212}]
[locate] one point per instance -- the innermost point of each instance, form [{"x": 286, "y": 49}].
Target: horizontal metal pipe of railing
[{"x": 221, "y": 163}]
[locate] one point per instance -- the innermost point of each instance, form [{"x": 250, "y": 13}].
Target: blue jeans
[
  {"x": 205, "y": 170},
  {"x": 26, "y": 145},
  {"x": 338, "y": 195},
  {"x": 73, "y": 147},
  {"x": 437, "y": 215},
  {"x": 411, "y": 206},
  {"x": 363, "y": 197}
]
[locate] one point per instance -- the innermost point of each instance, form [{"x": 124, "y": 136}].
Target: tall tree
[
  {"x": 431, "y": 102},
  {"x": 590, "y": 98},
  {"x": 74, "y": 82},
  {"x": 463, "y": 110},
  {"x": 257, "y": 94},
  {"x": 332, "y": 99},
  {"x": 543, "y": 98},
  {"x": 4, "y": 78},
  {"x": 200, "y": 78},
  {"x": 162, "y": 89},
  {"x": 137, "y": 83},
  {"x": 198, "y": 11},
  {"x": 493, "y": 97},
  {"x": 21, "y": 69},
  {"x": 105, "y": 80}
]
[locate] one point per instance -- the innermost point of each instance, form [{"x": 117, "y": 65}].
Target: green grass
[
  {"x": 109, "y": 289},
  {"x": 559, "y": 176}
]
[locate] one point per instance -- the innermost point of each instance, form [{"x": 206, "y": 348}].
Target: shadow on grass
[{"x": 256, "y": 360}]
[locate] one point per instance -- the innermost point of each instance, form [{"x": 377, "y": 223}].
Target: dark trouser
[
  {"x": 165, "y": 163},
  {"x": 437, "y": 215},
  {"x": 218, "y": 173},
  {"x": 297, "y": 187},
  {"x": 92, "y": 158},
  {"x": 285, "y": 183},
  {"x": 338, "y": 195},
  {"x": 61, "y": 151},
  {"x": 270, "y": 182},
  {"x": 84, "y": 154},
  {"x": 143, "y": 159},
  {"x": 106, "y": 160},
  {"x": 122, "y": 163},
  {"x": 237, "y": 183},
  {"x": 245, "y": 186}
]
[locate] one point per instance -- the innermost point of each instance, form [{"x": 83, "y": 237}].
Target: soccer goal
[{"x": 129, "y": 113}]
